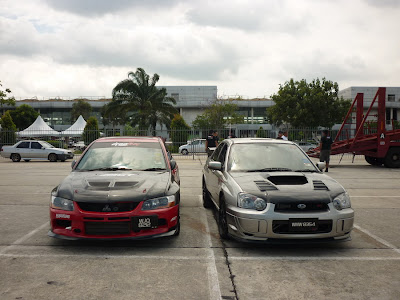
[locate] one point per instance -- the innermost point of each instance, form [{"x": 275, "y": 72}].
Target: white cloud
[{"x": 72, "y": 48}]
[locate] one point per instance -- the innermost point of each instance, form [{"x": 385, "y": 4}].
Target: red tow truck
[{"x": 370, "y": 137}]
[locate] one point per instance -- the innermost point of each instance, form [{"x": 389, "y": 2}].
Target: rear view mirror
[
  {"x": 215, "y": 165},
  {"x": 172, "y": 164},
  {"x": 73, "y": 164},
  {"x": 321, "y": 165}
]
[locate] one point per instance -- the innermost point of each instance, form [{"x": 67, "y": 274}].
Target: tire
[
  {"x": 222, "y": 223},
  {"x": 392, "y": 158},
  {"x": 207, "y": 202},
  {"x": 52, "y": 157},
  {"x": 27, "y": 160},
  {"x": 184, "y": 152},
  {"x": 374, "y": 161},
  {"x": 15, "y": 157},
  {"x": 63, "y": 160}
]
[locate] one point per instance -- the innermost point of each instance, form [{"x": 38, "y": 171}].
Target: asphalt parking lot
[{"x": 197, "y": 265}]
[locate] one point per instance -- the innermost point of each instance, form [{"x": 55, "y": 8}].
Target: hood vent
[
  {"x": 99, "y": 184},
  {"x": 125, "y": 184},
  {"x": 265, "y": 186},
  {"x": 288, "y": 180},
  {"x": 320, "y": 186}
]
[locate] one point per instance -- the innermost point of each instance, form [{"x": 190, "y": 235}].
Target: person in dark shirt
[
  {"x": 211, "y": 141},
  {"x": 325, "y": 147}
]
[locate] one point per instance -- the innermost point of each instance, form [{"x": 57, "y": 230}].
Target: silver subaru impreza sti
[{"x": 267, "y": 189}]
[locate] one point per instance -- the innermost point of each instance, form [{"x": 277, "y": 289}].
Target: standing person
[
  {"x": 325, "y": 148},
  {"x": 211, "y": 142},
  {"x": 285, "y": 136},
  {"x": 216, "y": 138},
  {"x": 280, "y": 135}
]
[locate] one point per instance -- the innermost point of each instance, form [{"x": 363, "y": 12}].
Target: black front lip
[
  {"x": 274, "y": 241},
  {"x": 64, "y": 237}
]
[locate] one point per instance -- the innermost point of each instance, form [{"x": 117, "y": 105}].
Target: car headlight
[
  {"x": 251, "y": 202},
  {"x": 342, "y": 201},
  {"x": 61, "y": 203},
  {"x": 156, "y": 203}
]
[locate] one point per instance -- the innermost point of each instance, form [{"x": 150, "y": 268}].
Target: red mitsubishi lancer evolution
[{"x": 121, "y": 188}]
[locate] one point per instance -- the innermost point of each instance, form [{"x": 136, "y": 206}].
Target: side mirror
[
  {"x": 73, "y": 164},
  {"x": 172, "y": 164},
  {"x": 215, "y": 165},
  {"x": 321, "y": 165}
]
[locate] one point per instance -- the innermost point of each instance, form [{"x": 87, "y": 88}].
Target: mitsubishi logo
[
  {"x": 106, "y": 208},
  {"x": 301, "y": 206}
]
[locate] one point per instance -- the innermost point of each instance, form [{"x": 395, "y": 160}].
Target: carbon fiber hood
[
  {"x": 114, "y": 186},
  {"x": 288, "y": 186}
]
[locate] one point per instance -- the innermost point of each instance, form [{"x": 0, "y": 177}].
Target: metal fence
[{"x": 182, "y": 143}]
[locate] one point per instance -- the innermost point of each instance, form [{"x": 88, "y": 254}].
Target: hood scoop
[
  {"x": 264, "y": 186},
  {"x": 106, "y": 185},
  {"x": 288, "y": 180},
  {"x": 320, "y": 186}
]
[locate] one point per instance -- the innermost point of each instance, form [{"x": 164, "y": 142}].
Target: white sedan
[{"x": 33, "y": 149}]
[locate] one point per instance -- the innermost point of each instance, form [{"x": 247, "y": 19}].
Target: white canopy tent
[
  {"x": 38, "y": 128},
  {"x": 76, "y": 129}
]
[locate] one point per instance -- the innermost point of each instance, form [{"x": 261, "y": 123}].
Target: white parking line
[
  {"x": 304, "y": 258},
  {"x": 24, "y": 238},
  {"x": 377, "y": 238},
  {"x": 213, "y": 281},
  {"x": 374, "y": 196}
]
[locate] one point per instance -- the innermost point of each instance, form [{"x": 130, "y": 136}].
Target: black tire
[
  {"x": 63, "y": 160},
  {"x": 222, "y": 223},
  {"x": 27, "y": 160},
  {"x": 374, "y": 161},
  {"x": 52, "y": 157},
  {"x": 15, "y": 157},
  {"x": 184, "y": 152},
  {"x": 392, "y": 158},
  {"x": 207, "y": 202}
]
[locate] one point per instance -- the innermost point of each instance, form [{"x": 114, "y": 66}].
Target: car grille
[
  {"x": 108, "y": 207},
  {"x": 282, "y": 227},
  {"x": 294, "y": 207},
  {"x": 107, "y": 228}
]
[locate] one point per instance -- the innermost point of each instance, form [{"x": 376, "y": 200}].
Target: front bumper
[
  {"x": 79, "y": 224},
  {"x": 65, "y": 156},
  {"x": 266, "y": 225}
]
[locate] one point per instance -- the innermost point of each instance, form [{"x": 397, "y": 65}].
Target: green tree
[
  {"x": 5, "y": 99},
  {"x": 217, "y": 116},
  {"x": 8, "y": 129},
  {"x": 81, "y": 107},
  {"x": 23, "y": 116},
  {"x": 139, "y": 100},
  {"x": 261, "y": 133},
  {"x": 303, "y": 104},
  {"x": 180, "y": 131},
  {"x": 91, "y": 131}
]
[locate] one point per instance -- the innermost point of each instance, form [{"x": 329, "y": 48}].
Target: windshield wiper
[
  {"x": 154, "y": 169},
  {"x": 307, "y": 170},
  {"x": 109, "y": 169},
  {"x": 271, "y": 170}
]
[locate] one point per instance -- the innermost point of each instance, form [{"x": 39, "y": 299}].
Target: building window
[
  {"x": 394, "y": 114},
  {"x": 387, "y": 115},
  {"x": 391, "y": 98}
]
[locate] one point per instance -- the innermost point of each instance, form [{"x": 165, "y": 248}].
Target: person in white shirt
[{"x": 284, "y": 136}]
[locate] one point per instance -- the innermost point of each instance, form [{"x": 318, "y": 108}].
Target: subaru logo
[
  {"x": 107, "y": 208},
  {"x": 301, "y": 206}
]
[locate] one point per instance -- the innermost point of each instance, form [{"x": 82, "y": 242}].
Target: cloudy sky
[{"x": 76, "y": 48}]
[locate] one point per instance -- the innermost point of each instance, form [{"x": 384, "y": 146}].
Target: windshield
[
  {"x": 46, "y": 145},
  {"x": 123, "y": 156},
  {"x": 268, "y": 157}
]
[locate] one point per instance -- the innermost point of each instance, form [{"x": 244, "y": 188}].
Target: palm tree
[{"x": 142, "y": 102}]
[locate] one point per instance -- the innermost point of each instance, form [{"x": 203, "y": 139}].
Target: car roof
[
  {"x": 258, "y": 141},
  {"x": 143, "y": 139}
]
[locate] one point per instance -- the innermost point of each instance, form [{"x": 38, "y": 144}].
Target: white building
[{"x": 392, "y": 99}]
